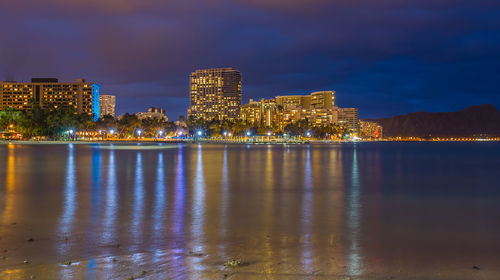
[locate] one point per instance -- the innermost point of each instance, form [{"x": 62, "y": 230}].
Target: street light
[
  {"x": 139, "y": 132},
  {"x": 269, "y": 133},
  {"x": 70, "y": 132},
  {"x": 112, "y": 131},
  {"x": 248, "y": 133},
  {"x": 200, "y": 132},
  {"x": 161, "y": 132},
  {"x": 308, "y": 134},
  {"x": 225, "y": 133}
]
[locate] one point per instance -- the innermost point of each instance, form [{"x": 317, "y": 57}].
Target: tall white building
[{"x": 107, "y": 105}]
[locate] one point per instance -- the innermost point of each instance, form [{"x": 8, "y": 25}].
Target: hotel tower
[
  {"x": 82, "y": 96},
  {"x": 215, "y": 94}
]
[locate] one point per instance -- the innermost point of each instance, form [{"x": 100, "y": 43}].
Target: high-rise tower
[{"x": 215, "y": 94}]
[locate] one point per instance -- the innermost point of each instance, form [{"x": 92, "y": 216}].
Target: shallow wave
[{"x": 135, "y": 147}]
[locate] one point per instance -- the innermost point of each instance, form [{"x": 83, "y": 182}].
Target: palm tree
[
  {"x": 10, "y": 116},
  {"x": 127, "y": 124}
]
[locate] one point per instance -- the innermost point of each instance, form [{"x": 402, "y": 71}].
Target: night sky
[{"x": 386, "y": 57}]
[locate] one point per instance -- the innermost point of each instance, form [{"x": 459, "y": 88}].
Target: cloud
[{"x": 411, "y": 55}]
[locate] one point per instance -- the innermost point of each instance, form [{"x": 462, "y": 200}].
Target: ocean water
[{"x": 424, "y": 210}]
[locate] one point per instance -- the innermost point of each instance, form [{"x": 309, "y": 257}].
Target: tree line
[
  {"x": 48, "y": 122},
  {"x": 240, "y": 127},
  {"x": 55, "y": 122}
]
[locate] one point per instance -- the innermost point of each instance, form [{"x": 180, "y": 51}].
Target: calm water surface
[{"x": 358, "y": 211}]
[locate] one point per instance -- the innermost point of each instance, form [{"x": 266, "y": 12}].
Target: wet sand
[{"x": 350, "y": 211}]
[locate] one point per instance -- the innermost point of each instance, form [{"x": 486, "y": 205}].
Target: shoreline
[{"x": 204, "y": 141}]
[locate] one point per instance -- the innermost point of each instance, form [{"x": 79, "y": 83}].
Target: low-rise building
[
  {"x": 315, "y": 100},
  {"x": 294, "y": 101},
  {"x": 80, "y": 95},
  {"x": 154, "y": 113},
  {"x": 264, "y": 113},
  {"x": 370, "y": 130}
]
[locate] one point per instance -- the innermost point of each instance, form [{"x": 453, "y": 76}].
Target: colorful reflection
[
  {"x": 307, "y": 217},
  {"x": 159, "y": 203},
  {"x": 354, "y": 260},
  {"x": 70, "y": 203},
  {"x": 224, "y": 194},
  {"x": 96, "y": 185},
  {"x": 198, "y": 212},
  {"x": 111, "y": 208},
  {"x": 180, "y": 195},
  {"x": 179, "y": 211},
  {"x": 138, "y": 201},
  {"x": 10, "y": 182},
  {"x": 316, "y": 212}
]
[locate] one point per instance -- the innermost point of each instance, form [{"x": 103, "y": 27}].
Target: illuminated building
[
  {"x": 370, "y": 130},
  {"x": 321, "y": 117},
  {"x": 318, "y": 107},
  {"x": 153, "y": 113},
  {"x": 316, "y": 100},
  {"x": 251, "y": 112},
  {"x": 215, "y": 94},
  {"x": 323, "y": 99},
  {"x": 294, "y": 101},
  {"x": 82, "y": 96},
  {"x": 264, "y": 113},
  {"x": 348, "y": 117},
  {"x": 107, "y": 105}
]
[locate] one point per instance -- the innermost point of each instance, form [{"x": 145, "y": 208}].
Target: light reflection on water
[
  {"x": 159, "y": 206},
  {"x": 10, "y": 183},
  {"x": 354, "y": 219},
  {"x": 138, "y": 202},
  {"x": 70, "y": 206},
  {"x": 159, "y": 203},
  {"x": 224, "y": 196},
  {"x": 97, "y": 166},
  {"x": 70, "y": 193},
  {"x": 198, "y": 210},
  {"x": 307, "y": 254},
  {"x": 111, "y": 206},
  {"x": 180, "y": 195},
  {"x": 288, "y": 210}
]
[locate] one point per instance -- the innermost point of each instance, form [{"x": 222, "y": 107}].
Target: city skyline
[{"x": 396, "y": 59}]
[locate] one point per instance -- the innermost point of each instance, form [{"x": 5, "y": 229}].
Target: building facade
[
  {"x": 315, "y": 100},
  {"x": 215, "y": 94},
  {"x": 107, "y": 104},
  {"x": 318, "y": 108},
  {"x": 348, "y": 117},
  {"x": 294, "y": 101},
  {"x": 263, "y": 113},
  {"x": 81, "y": 96},
  {"x": 153, "y": 113},
  {"x": 323, "y": 99},
  {"x": 370, "y": 130}
]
